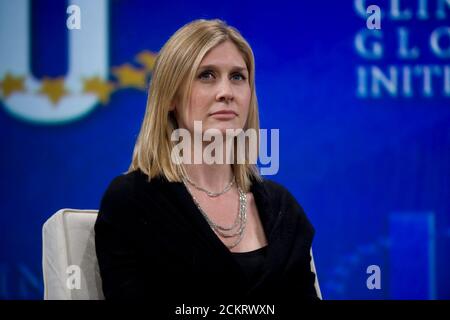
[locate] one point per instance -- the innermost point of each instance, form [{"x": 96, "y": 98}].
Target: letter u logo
[{"x": 88, "y": 53}]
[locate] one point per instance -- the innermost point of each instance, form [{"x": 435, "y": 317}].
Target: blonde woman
[{"x": 195, "y": 231}]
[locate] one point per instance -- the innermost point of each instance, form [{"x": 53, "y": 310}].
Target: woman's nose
[{"x": 224, "y": 91}]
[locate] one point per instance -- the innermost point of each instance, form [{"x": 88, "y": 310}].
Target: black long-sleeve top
[{"x": 152, "y": 242}]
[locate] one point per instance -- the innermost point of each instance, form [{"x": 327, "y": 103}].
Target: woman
[{"x": 189, "y": 231}]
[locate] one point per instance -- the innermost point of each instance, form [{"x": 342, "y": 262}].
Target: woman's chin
[
  {"x": 223, "y": 126},
  {"x": 225, "y": 129}
]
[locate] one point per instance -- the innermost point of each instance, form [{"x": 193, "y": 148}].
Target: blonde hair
[{"x": 173, "y": 74}]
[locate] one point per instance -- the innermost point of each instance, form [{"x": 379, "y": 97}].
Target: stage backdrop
[{"x": 363, "y": 109}]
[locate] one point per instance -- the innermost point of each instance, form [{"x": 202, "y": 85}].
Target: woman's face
[{"x": 220, "y": 95}]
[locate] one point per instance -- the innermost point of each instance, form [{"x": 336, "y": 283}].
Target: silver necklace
[
  {"x": 210, "y": 193},
  {"x": 241, "y": 218}
]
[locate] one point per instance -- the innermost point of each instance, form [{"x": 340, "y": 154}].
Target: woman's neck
[{"x": 212, "y": 177}]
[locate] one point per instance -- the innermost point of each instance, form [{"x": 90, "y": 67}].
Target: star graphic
[
  {"x": 147, "y": 59},
  {"x": 11, "y": 84},
  {"x": 130, "y": 76},
  {"x": 100, "y": 87},
  {"x": 53, "y": 88}
]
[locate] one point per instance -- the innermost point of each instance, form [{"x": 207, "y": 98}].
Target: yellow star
[
  {"x": 100, "y": 87},
  {"x": 147, "y": 59},
  {"x": 11, "y": 84},
  {"x": 53, "y": 89},
  {"x": 130, "y": 76}
]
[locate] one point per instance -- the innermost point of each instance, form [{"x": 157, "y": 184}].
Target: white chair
[
  {"x": 316, "y": 281},
  {"x": 68, "y": 240},
  {"x": 69, "y": 247}
]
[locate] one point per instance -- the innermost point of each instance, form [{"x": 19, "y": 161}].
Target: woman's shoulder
[
  {"x": 274, "y": 186},
  {"x": 130, "y": 183},
  {"x": 276, "y": 191},
  {"x": 126, "y": 191},
  {"x": 281, "y": 198}
]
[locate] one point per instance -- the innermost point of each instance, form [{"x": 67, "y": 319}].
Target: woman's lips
[{"x": 224, "y": 114}]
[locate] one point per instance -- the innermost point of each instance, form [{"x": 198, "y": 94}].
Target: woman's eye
[
  {"x": 207, "y": 75},
  {"x": 237, "y": 76}
]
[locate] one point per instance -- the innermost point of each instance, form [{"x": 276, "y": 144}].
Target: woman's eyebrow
[{"x": 215, "y": 67}]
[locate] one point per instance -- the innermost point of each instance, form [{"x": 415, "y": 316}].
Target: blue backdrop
[{"x": 364, "y": 120}]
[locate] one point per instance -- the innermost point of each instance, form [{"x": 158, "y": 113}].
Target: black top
[
  {"x": 152, "y": 242},
  {"x": 251, "y": 263}
]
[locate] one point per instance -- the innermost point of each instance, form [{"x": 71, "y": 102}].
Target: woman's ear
[
  {"x": 173, "y": 118},
  {"x": 173, "y": 104}
]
